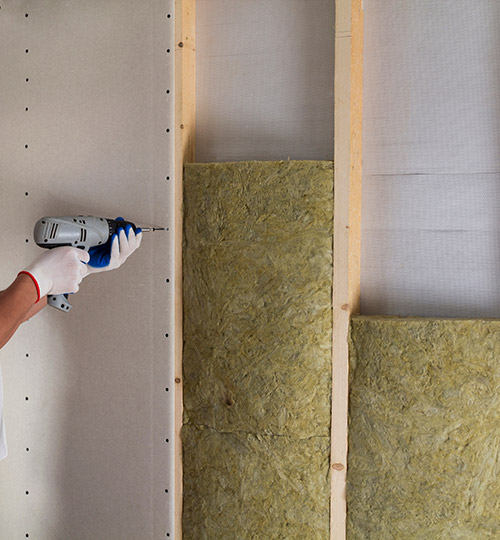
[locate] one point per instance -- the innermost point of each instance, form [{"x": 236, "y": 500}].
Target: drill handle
[
  {"x": 59, "y": 301},
  {"x": 115, "y": 224}
]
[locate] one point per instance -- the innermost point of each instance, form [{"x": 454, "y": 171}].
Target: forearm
[
  {"x": 36, "y": 308},
  {"x": 17, "y": 304}
]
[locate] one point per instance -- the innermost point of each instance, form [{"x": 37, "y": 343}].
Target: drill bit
[{"x": 152, "y": 229}]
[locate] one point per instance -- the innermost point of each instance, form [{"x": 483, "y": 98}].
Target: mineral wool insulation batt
[
  {"x": 424, "y": 429},
  {"x": 257, "y": 354}
]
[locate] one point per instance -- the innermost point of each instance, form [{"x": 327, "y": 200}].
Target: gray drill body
[{"x": 82, "y": 232}]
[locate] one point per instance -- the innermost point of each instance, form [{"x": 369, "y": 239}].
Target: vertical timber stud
[
  {"x": 184, "y": 153},
  {"x": 347, "y": 232}
]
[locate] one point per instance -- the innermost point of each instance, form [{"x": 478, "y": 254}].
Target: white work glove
[
  {"x": 115, "y": 252},
  {"x": 58, "y": 271}
]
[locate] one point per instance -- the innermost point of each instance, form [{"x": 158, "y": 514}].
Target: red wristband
[{"x": 35, "y": 282}]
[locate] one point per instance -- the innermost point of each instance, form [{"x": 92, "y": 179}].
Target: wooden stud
[
  {"x": 185, "y": 109},
  {"x": 185, "y": 79},
  {"x": 347, "y": 233}
]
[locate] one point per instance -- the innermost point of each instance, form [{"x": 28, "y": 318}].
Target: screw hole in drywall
[
  {"x": 166, "y": 389},
  {"x": 26, "y": 109},
  {"x": 167, "y": 440},
  {"x": 27, "y": 355},
  {"x": 27, "y": 80},
  {"x": 166, "y": 491},
  {"x": 167, "y": 130},
  {"x": 26, "y": 15},
  {"x": 27, "y": 449},
  {"x": 26, "y": 398},
  {"x": 167, "y": 91},
  {"x": 166, "y": 335},
  {"x": 27, "y": 240},
  {"x": 25, "y": 146},
  {"x": 168, "y": 15},
  {"x": 168, "y": 50},
  {"x": 167, "y": 177},
  {"x": 26, "y": 194},
  {"x": 167, "y": 280},
  {"x": 27, "y": 493}
]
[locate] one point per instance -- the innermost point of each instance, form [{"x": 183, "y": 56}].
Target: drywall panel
[
  {"x": 86, "y": 128},
  {"x": 264, "y": 79},
  {"x": 431, "y": 158}
]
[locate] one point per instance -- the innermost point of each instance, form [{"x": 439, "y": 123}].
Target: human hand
[
  {"x": 59, "y": 270},
  {"x": 116, "y": 250}
]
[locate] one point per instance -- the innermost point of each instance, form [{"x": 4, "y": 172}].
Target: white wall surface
[
  {"x": 264, "y": 79},
  {"x": 87, "y": 409},
  {"x": 431, "y": 158}
]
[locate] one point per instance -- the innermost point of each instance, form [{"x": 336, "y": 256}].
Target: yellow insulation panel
[
  {"x": 424, "y": 429},
  {"x": 257, "y": 354}
]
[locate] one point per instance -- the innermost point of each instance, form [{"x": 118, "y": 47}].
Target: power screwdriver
[{"x": 83, "y": 232}]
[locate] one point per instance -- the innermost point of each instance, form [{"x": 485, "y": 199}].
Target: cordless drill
[{"x": 82, "y": 232}]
